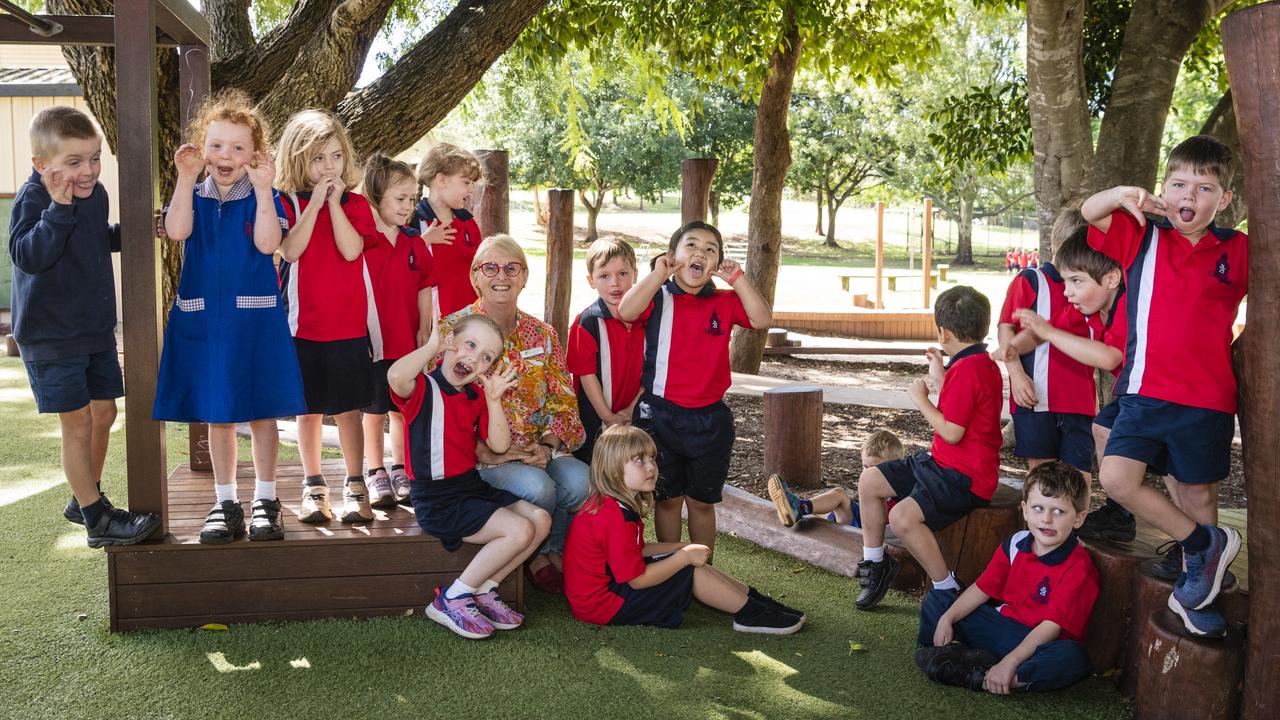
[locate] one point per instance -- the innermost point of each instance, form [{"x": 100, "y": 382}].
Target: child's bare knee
[{"x": 522, "y": 531}]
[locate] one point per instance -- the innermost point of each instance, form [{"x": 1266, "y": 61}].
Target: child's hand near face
[
  {"x": 59, "y": 184},
  {"x": 262, "y": 172},
  {"x": 334, "y": 193},
  {"x": 189, "y": 161},
  {"x": 919, "y": 392},
  {"x": 936, "y": 370},
  {"x": 1138, "y": 201},
  {"x": 667, "y": 265},
  {"x": 497, "y": 381},
  {"x": 439, "y": 234},
  {"x": 727, "y": 270}
]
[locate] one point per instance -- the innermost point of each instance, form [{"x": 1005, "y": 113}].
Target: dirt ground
[{"x": 846, "y": 426}]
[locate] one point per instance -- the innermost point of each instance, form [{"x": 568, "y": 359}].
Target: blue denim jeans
[{"x": 560, "y": 489}]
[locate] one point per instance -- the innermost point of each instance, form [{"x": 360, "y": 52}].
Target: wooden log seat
[
  {"x": 968, "y": 543},
  {"x": 793, "y": 434},
  {"x": 776, "y": 337},
  {"x": 1117, "y": 566},
  {"x": 1182, "y": 677}
]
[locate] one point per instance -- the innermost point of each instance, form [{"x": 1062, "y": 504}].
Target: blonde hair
[
  {"x": 305, "y": 135},
  {"x": 884, "y": 445},
  {"x": 449, "y": 160},
  {"x": 56, "y": 123},
  {"x": 483, "y": 321},
  {"x": 233, "y": 106},
  {"x": 606, "y": 249},
  {"x": 380, "y": 173},
  {"x": 1068, "y": 223},
  {"x": 616, "y": 447}
]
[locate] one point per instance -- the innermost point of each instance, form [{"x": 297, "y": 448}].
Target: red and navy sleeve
[
  {"x": 584, "y": 349},
  {"x": 737, "y": 311},
  {"x": 412, "y": 405},
  {"x": 993, "y": 578},
  {"x": 961, "y": 393},
  {"x": 624, "y": 544},
  {"x": 1121, "y": 241},
  {"x": 1075, "y": 595},
  {"x": 1020, "y": 294},
  {"x": 360, "y": 213}
]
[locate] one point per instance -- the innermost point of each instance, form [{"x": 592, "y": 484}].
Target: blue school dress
[{"x": 228, "y": 356}]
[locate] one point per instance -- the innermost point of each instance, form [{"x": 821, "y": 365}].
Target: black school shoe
[
  {"x": 956, "y": 664},
  {"x": 72, "y": 511},
  {"x": 875, "y": 578},
  {"x": 224, "y": 523},
  {"x": 122, "y": 527},
  {"x": 1111, "y": 523},
  {"x": 1170, "y": 565},
  {"x": 265, "y": 522},
  {"x": 758, "y": 616},
  {"x": 781, "y": 607}
]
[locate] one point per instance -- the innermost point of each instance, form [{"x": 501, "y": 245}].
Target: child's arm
[
  {"x": 595, "y": 393},
  {"x": 266, "y": 224},
  {"x": 661, "y": 571},
  {"x": 758, "y": 312},
  {"x": 1001, "y": 676},
  {"x": 180, "y": 216},
  {"x": 426, "y": 315},
  {"x": 1021, "y": 388},
  {"x": 1135, "y": 200},
  {"x": 1090, "y": 352},
  {"x": 349, "y": 242},
  {"x": 971, "y": 599},
  {"x": 38, "y": 231},
  {"x": 499, "y": 439},
  {"x": 295, "y": 243},
  {"x": 948, "y": 431},
  {"x": 403, "y": 374},
  {"x": 652, "y": 549},
  {"x": 641, "y": 294}
]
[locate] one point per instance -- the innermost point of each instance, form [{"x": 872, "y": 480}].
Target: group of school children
[
  {"x": 1016, "y": 260},
  {"x": 348, "y": 326}
]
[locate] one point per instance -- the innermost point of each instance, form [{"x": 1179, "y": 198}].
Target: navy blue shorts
[
  {"x": 337, "y": 376},
  {"x": 942, "y": 493},
  {"x": 1050, "y": 435},
  {"x": 456, "y": 507},
  {"x": 1106, "y": 417},
  {"x": 1192, "y": 444},
  {"x": 694, "y": 447},
  {"x": 381, "y": 404},
  {"x": 662, "y": 605},
  {"x": 70, "y": 383}
]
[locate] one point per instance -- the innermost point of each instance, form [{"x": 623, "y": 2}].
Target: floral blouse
[{"x": 543, "y": 400}]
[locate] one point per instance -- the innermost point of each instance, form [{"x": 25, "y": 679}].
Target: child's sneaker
[
  {"x": 224, "y": 523},
  {"x": 1170, "y": 565},
  {"x": 315, "y": 504},
  {"x": 498, "y": 613},
  {"x": 380, "y": 493},
  {"x": 1206, "y": 623},
  {"x": 400, "y": 486},
  {"x": 760, "y": 617},
  {"x": 875, "y": 578},
  {"x": 460, "y": 615},
  {"x": 757, "y": 595},
  {"x": 786, "y": 502},
  {"x": 122, "y": 527},
  {"x": 72, "y": 511},
  {"x": 956, "y": 665},
  {"x": 265, "y": 522},
  {"x": 1203, "y": 579},
  {"x": 355, "y": 502}
]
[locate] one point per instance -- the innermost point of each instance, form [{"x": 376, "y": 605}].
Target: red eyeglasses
[{"x": 490, "y": 269}]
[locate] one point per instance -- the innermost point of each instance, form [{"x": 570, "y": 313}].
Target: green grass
[{"x": 56, "y": 665}]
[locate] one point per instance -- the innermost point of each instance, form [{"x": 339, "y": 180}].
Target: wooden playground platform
[
  {"x": 385, "y": 567},
  {"x": 860, "y": 323}
]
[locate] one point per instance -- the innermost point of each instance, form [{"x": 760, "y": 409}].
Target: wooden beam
[
  {"x": 181, "y": 21},
  {"x": 76, "y": 30},
  {"x": 879, "y": 255},
  {"x": 695, "y": 188},
  {"x": 193, "y": 87},
  {"x": 927, "y": 241},
  {"x": 559, "y": 261},
  {"x": 1249, "y": 39},
  {"x": 137, "y": 118}
]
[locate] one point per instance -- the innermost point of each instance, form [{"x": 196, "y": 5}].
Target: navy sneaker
[
  {"x": 1207, "y": 623},
  {"x": 72, "y": 511},
  {"x": 1170, "y": 565},
  {"x": 875, "y": 578},
  {"x": 122, "y": 527},
  {"x": 785, "y": 502},
  {"x": 1203, "y": 579}
]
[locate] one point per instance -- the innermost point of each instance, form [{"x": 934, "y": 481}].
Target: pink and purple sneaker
[
  {"x": 460, "y": 615},
  {"x": 499, "y": 614}
]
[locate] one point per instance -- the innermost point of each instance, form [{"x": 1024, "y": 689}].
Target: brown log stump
[
  {"x": 695, "y": 188},
  {"x": 1117, "y": 566},
  {"x": 1180, "y": 676},
  {"x": 793, "y": 434},
  {"x": 967, "y": 544},
  {"x": 493, "y": 211},
  {"x": 11, "y": 347},
  {"x": 777, "y": 337},
  {"x": 559, "y": 261}
]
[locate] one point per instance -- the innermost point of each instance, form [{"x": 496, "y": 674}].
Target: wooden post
[
  {"x": 880, "y": 255},
  {"x": 927, "y": 252},
  {"x": 1249, "y": 39},
  {"x": 494, "y": 209},
  {"x": 793, "y": 434},
  {"x": 559, "y": 260},
  {"x": 137, "y": 144},
  {"x": 695, "y": 188},
  {"x": 1181, "y": 677},
  {"x": 193, "y": 85}
]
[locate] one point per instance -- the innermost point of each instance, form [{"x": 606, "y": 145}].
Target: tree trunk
[
  {"x": 833, "y": 207},
  {"x": 771, "y": 161},
  {"x": 1060, "y": 127},
  {"x": 714, "y": 205},
  {"x": 964, "y": 233},
  {"x": 818, "y": 198},
  {"x": 1221, "y": 124},
  {"x": 593, "y": 211}
]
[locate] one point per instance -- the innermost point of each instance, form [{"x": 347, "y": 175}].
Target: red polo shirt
[
  {"x": 1063, "y": 384},
  {"x": 686, "y": 359},
  {"x": 399, "y": 272},
  {"x": 605, "y": 547},
  {"x": 328, "y": 296},
  {"x": 972, "y": 391},
  {"x": 452, "y": 262},
  {"x": 1060, "y": 587},
  {"x": 441, "y": 424},
  {"x": 1182, "y": 305},
  {"x": 602, "y": 345},
  {"x": 1115, "y": 330}
]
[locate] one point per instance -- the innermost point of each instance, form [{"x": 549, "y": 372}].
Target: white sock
[
  {"x": 457, "y": 590},
  {"x": 264, "y": 490},
  {"x": 486, "y": 586},
  {"x": 226, "y": 492},
  {"x": 948, "y": 583},
  {"x": 874, "y": 554}
]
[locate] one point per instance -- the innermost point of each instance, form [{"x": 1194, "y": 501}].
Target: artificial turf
[{"x": 57, "y": 659}]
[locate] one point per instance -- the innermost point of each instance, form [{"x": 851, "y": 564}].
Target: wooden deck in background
[
  {"x": 1150, "y": 538},
  {"x": 384, "y": 567}
]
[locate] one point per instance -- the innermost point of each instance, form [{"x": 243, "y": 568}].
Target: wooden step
[{"x": 1185, "y": 678}]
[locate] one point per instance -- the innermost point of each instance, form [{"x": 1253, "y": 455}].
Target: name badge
[{"x": 532, "y": 352}]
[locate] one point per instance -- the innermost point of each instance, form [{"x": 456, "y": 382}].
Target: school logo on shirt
[
  {"x": 466, "y": 238},
  {"x": 1220, "y": 270},
  {"x": 713, "y": 328},
  {"x": 1042, "y": 592},
  {"x": 413, "y": 261}
]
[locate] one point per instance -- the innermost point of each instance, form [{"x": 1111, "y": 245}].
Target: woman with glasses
[{"x": 542, "y": 408}]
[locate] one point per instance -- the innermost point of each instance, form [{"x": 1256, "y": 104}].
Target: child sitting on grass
[
  {"x": 835, "y": 503},
  {"x": 613, "y": 577},
  {"x": 1046, "y": 586}
]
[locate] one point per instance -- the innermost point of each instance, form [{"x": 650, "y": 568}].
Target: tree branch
[
  {"x": 229, "y": 29},
  {"x": 1003, "y": 208},
  {"x": 255, "y": 69}
]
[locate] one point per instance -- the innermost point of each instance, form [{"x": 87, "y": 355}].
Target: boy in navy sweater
[{"x": 64, "y": 311}]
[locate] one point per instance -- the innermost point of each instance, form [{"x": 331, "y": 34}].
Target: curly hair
[
  {"x": 233, "y": 106},
  {"x": 305, "y": 135},
  {"x": 447, "y": 159}
]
